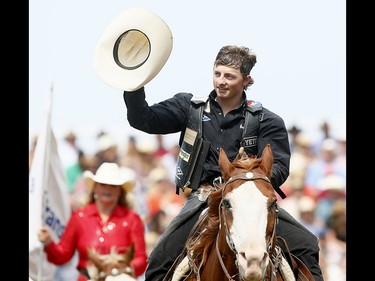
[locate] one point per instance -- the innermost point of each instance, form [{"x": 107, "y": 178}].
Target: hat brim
[
  {"x": 153, "y": 52},
  {"x": 90, "y": 179}
]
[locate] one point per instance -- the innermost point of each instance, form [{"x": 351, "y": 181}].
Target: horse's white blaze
[{"x": 248, "y": 230}]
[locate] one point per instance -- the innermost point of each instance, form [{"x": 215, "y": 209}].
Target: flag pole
[{"x": 45, "y": 176}]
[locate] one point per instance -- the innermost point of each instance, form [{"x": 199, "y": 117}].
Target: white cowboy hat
[
  {"x": 133, "y": 49},
  {"x": 110, "y": 173}
]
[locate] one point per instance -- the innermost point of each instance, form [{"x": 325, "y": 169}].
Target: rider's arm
[
  {"x": 272, "y": 130},
  {"x": 168, "y": 116}
]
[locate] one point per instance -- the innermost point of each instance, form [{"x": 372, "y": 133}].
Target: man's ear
[{"x": 246, "y": 81}]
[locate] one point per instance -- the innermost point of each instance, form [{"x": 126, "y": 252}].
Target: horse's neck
[{"x": 221, "y": 262}]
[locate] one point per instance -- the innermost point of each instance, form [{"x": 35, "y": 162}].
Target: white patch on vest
[{"x": 190, "y": 136}]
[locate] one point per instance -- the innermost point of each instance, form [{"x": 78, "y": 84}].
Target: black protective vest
[{"x": 194, "y": 149}]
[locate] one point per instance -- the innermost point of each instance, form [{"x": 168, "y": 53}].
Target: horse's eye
[{"x": 227, "y": 204}]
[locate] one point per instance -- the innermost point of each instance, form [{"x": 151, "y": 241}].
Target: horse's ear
[
  {"x": 225, "y": 165},
  {"x": 267, "y": 160},
  {"x": 129, "y": 254}
]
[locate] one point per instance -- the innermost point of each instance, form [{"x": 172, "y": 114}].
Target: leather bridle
[{"x": 248, "y": 176}]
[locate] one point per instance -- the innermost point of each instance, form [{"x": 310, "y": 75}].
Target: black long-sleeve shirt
[{"x": 171, "y": 116}]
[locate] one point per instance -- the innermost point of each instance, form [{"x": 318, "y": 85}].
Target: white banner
[{"x": 48, "y": 200}]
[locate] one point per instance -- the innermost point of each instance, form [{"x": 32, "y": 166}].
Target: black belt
[{"x": 84, "y": 272}]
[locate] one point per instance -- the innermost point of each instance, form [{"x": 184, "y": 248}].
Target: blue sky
[{"x": 300, "y": 48}]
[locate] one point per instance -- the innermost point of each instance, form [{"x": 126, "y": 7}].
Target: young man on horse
[{"x": 221, "y": 124}]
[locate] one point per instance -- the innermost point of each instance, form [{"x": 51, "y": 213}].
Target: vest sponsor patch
[
  {"x": 179, "y": 173},
  {"x": 205, "y": 118},
  {"x": 184, "y": 155},
  {"x": 190, "y": 136},
  {"x": 254, "y": 103},
  {"x": 250, "y": 141}
]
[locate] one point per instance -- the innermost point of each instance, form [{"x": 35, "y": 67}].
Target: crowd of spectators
[{"x": 315, "y": 188}]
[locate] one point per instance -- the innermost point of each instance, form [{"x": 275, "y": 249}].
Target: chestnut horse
[
  {"x": 235, "y": 238},
  {"x": 110, "y": 267}
]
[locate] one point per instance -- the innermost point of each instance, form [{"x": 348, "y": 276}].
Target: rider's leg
[
  {"x": 172, "y": 242},
  {"x": 301, "y": 242}
]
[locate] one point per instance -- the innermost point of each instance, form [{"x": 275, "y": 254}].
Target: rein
[{"x": 248, "y": 176}]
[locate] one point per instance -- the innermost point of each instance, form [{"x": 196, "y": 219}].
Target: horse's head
[
  {"x": 110, "y": 267},
  {"x": 248, "y": 211}
]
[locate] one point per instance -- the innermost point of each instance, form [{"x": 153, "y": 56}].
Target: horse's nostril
[{"x": 243, "y": 255}]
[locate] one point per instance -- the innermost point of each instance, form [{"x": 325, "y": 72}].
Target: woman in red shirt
[{"x": 105, "y": 221}]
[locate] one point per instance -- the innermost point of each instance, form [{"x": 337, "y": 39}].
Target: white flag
[{"x": 48, "y": 200}]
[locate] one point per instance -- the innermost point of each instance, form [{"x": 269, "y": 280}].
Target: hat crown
[
  {"x": 133, "y": 49},
  {"x": 109, "y": 173}
]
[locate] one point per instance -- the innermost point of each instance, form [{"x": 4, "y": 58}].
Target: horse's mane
[
  {"x": 246, "y": 162},
  {"x": 199, "y": 245}
]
